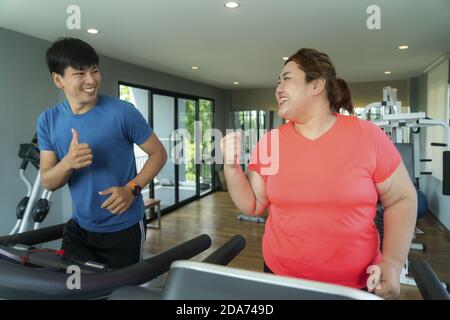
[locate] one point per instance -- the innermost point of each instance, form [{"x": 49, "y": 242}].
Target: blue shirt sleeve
[
  {"x": 43, "y": 135},
  {"x": 137, "y": 129}
]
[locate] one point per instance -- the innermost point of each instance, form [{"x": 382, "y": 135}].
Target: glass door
[
  {"x": 206, "y": 120},
  {"x": 163, "y": 115},
  {"x": 183, "y": 124},
  {"x": 139, "y": 98},
  {"x": 187, "y": 169}
]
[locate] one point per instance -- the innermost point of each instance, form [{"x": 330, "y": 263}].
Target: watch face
[{"x": 137, "y": 190}]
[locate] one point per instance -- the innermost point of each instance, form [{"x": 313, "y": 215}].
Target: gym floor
[{"x": 215, "y": 215}]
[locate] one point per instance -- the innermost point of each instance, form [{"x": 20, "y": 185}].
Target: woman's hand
[{"x": 384, "y": 280}]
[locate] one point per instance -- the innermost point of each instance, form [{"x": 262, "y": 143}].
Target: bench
[{"x": 150, "y": 204}]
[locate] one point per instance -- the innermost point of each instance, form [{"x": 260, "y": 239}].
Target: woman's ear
[{"x": 319, "y": 85}]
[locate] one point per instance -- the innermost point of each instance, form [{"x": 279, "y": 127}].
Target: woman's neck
[{"x": 314, "y": 125}]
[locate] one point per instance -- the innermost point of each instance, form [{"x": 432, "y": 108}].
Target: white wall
[
  {"x": 26, "y": 90},
  {"x": 437, "y": 108}
]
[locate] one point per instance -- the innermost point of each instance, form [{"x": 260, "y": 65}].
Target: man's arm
[
  {"x": 55, "y": 174},
  {"x": 121, "y": 196},
  {"x": 157, "y": 157}
]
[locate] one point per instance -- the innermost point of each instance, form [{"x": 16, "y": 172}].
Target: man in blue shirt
[{"x": 87, "y": 142}]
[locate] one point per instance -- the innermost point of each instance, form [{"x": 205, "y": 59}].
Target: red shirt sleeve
[{"x": 387, "y": 156}]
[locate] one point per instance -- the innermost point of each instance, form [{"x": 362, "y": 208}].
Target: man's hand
[
  {"x": 79, "y": 155},
  {"x": 120, "y": 200}
]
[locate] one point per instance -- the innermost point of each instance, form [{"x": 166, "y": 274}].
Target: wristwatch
[{"x": 135, "y": 188}]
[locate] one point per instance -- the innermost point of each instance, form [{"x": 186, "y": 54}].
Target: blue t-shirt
[{"x": 110, "y": 128}]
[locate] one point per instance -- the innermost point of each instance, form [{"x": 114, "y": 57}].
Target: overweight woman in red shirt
[{"x": 325, "y": 176}]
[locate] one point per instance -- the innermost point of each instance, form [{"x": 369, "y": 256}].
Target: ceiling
[{"x": 246, "y": 44}]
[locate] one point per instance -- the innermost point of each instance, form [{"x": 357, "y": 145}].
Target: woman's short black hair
[{"x": 71, "y": 52}]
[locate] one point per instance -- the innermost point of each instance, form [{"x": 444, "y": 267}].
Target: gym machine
[
  {"x": 401, "y": 127},
  {"x": 27, "y": 272},
  {"x": 212, "y": 280},
  {"x": 30, "y": 205}
]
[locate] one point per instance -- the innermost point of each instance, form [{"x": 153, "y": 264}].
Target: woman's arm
[
  {"x": 399, "y": 199},
  {"x": 248, "y": 192}
]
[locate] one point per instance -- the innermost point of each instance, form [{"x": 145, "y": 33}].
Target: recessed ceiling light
[
  {"x": 194, "y": 67},
  {"x": 285, "y": 58},
  {"x": 92, "y": 31},
  {"x": 403, "y": 47},
  {"x": 231, "y": 4},
  {"x": 236, "y": 82},
  {"x": 387, "y": 72}
]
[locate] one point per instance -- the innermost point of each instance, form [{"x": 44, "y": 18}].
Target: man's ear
[
  {"x": 57, "y": 80},
  {"x": 319, "y": 85}
]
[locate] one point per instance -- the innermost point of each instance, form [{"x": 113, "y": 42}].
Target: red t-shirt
[{"x": 323, "y": 200}]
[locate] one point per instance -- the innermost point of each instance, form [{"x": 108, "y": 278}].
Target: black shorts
[{"x": 115, "y": 249}]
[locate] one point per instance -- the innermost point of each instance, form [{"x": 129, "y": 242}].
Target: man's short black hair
[{"x": 71, "y": 52}]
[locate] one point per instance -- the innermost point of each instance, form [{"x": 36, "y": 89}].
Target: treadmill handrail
[
  {"x": 33, "y": 237},
  {"x": 430, "y": 287},
  {"x": 21, "y": 282},
  {"x": 276, "y": 280}
]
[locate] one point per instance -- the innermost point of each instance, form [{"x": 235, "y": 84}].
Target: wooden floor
[{"x": 215, "y": 215}]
